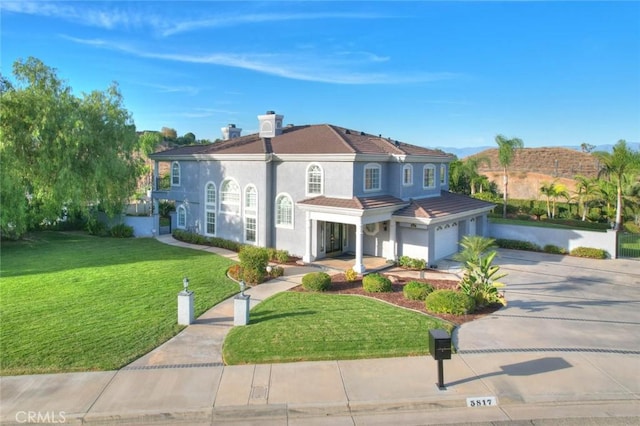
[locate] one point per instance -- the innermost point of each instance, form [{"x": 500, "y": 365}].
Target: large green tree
[
  {"x": 59, "y": 151},
  {"x": 620, "y": 166},
  {"x": 506, "y": 151}
]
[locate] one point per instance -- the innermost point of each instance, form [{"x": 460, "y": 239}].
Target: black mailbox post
[{"x": 440, "y": 349}]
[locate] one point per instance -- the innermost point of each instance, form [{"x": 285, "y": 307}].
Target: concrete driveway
[{"x": 561, "y": 303}]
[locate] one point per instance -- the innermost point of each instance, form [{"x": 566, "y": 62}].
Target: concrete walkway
[{"x": 545, "y": 356}]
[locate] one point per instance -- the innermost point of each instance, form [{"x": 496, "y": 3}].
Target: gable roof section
[
  {"x": 447, "y": 205},
  {"x": 309, "y": 139},
  {"x": 356, "y": 203}
]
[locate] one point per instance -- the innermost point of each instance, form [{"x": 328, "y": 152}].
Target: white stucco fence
[
  {"x": 143, "y": 226},
  {"x": 565, "y": 238}
]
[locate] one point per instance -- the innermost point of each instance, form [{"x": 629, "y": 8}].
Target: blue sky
[{"x": 436, "y": 74}]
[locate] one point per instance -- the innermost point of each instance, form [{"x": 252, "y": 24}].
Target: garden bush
[
  {"x": 235, "y": 272},
  {"x": 589, "y": 252},
  {"x": 276, "y": 271},
  {"x": 121, "y": 231},
  {"x": 350, "y": 275},
  {"x": 193, "y": 238},
  {"x": 449, "y": 302},
  {"x": 411, "y": 263},
  {"x": 253, "y": 261},
  {"x": 550, "y": 248},
  {"x": 517, "y": 244},
  {"x": 316, "y": 281},
  {"x": 376, "y": 283},
  {"x": 416, "y": 290},
  {"x": 97, "y": 228}
]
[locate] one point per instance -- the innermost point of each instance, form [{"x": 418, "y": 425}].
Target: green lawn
[
  {"x": 296, "y": 326},
  {"x": 73, "y": 302}
]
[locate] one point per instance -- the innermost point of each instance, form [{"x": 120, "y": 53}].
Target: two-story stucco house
[{"x": 320, "y": 190}]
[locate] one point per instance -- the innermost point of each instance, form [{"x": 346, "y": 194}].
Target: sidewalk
[{"x": 185, "y": 382}]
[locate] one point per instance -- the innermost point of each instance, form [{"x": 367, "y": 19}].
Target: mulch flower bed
[{"x": 340, "y": 285}]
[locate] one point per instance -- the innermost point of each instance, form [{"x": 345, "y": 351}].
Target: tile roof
[
  {"x": 309, "y": 139},
  {"x": 357, "y": 203},
  {"x": 437, "y": 207}
]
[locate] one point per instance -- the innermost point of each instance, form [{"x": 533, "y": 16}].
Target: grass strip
[{"x": 296, "y": 326}]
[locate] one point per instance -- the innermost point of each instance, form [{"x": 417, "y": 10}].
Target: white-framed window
[
  {"x": 443, "y": 174},
  {"x": 210, "y": 201},
  {"x": 181, "y": 214},
  {"x": 372, "y": 180},
  {"x": 429, "y": 176},
  {"x": 407, "y": 175},
  {"x": 175, "y": 174},
  {"x": 250, "y": 214},
  {"x": 314, "y": 180},
  {"x": 284, "y": 211},
  {"x": 229, "y": 197},
  {"x": 250, "y": 229}
]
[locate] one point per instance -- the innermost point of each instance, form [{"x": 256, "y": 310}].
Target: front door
[{"x": 333, "y": 238}]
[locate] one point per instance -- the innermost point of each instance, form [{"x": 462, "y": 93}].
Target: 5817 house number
[{"x": 484, "y": 401}]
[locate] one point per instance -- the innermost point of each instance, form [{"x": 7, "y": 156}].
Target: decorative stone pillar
[{"x": 185, "y": 307}]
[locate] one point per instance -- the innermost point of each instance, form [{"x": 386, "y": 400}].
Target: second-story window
[
  {"x": 372, "y": 177},
  {"x": 429, "y": 176},
  {"x": 314, "y": 180},
  {"x": 407, "y": 175},
  {"x": 175, "y": 174},
  {"x": 443, "y": 174}
]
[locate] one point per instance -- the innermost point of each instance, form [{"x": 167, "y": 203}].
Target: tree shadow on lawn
[{"x": 270, "y": 315}]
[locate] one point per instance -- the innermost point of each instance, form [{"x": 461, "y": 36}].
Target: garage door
[{"x": 446, "y": 242}]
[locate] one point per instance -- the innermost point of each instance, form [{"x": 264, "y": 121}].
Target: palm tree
[
  {"x": 547, "y": 189},
  {"x": 473, "y": 248},
  {"x": 471, "y": 165},
  {"x": 586, "y": 192},
  {"x": 615, "y": 165},
  {"x": 506, "y": 152},
  {"x": 558, "y": 190}
]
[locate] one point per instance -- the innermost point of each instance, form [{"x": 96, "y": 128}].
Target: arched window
[
  {"x": 181, "y": 214},
  {"x": 251, "y": 214},
  {"x": 210, "y": 199},
  {"x": 284, "y": 211},
  {"x": 429, "y": 176},
  {"x": 372, "y": 181},
  {"x": 175, "y": 174},
  {"x": 407, "y": 175},
  {"x": 230, "y": 197},
  {"x": 314, "y": 180}
]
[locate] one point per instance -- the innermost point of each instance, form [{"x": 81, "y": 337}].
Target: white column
[
  {"x": 392, "y": 240},
  {"x": 307, "y": 243},
  {"x": 359, "y": 266}
]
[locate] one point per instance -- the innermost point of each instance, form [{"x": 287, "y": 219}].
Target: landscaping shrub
[
  {"x": 121, "y": 231},
  {"x": 235, "y": 272},
  {"x": 193, "y": 238},
  {"x": 350, "y": 275},
  {"x": 276, "y": 271},
  {"x": 376, "y": 283},
  {"x": 517, "y": 244},
  {"x": 253, "y": 261},
  {"x": 97, "y": 228},
  {"x": 551, "y": 249},
  {"x": 589, "y": 252},
  {"x": 416, "y": 290},
  {"x": 449, "y": 302},
  {"x": 281, "y": 256},
  {"x": 316, "y": 281},
  {"x": 411, "y": 263},
  {"x": 480, "y": 280}
]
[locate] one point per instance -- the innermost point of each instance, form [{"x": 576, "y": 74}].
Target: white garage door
[{"x": 446, "y": 242}]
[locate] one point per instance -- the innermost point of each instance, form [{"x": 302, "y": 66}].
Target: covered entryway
[
  {"x": 446, "y": 240},
  {"x": 334, "y": 236}
]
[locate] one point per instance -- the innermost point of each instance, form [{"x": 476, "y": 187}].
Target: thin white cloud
[
  {"x": 240, "y": 19},
  {"x": 309, "y": 68}
]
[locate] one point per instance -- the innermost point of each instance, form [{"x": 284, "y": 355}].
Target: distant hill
[
  {"x": 469, "y": 151},
  {"x": 533, "y": 167}
]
